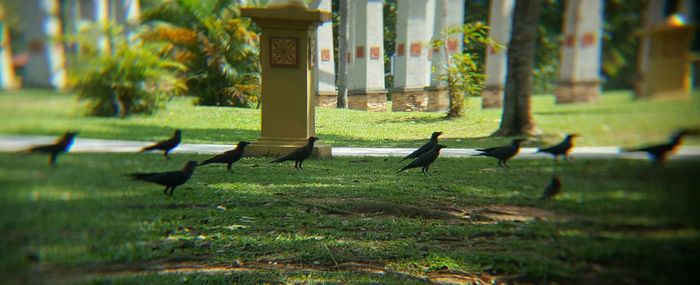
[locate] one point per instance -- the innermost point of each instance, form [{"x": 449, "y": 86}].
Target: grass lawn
[
  {"x": 342, "y": 219},
  {"x": 616, "y": 119}
]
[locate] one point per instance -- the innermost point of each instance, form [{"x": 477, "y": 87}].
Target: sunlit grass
[
  {"x": 616, "y": 119},
  {"x": 615, "y": 221}
]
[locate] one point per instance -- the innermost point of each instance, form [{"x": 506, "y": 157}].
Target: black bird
[
  {"x": 62, "y": 145},
  {"x": 300, "y": 154},
  {"x": 426, "y": 147},
  {"x": 170, "y": 179},
  {"x": 563, "y": 148},
  {"x": 425, "y": 159},
  {"x": 659, "y": 153},
  {"x": 502, "y": 153},
  {"x": 167, "y": 145},
  {"x": 228, "y": 157},
  {"x": 553, "y": 189}
]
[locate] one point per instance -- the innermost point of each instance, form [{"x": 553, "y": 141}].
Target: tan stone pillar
[
  {"x": 8, "y": 79},
  {"x": 579, "y": 73},
  {"x": 500, "y": 21},
  {"x": 287, "y": 60},
  {"x": 663, "y": 64},
  {"x": 366, "y": 88}
]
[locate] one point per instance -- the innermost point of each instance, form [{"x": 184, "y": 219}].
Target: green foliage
[
  {"x": 124, "y": 78},
  {"x": 218, "y": 46},
  {"x": 620, "y": 45},
  {"x": 463, "y": 75}
]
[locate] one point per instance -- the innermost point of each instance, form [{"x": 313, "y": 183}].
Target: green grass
[
  {"x": 616, "y": 119},
  {"x": 617, "y": 221}
]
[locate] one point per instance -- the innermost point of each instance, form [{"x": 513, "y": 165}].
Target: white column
[
  {"x": 7, "y": 70},
  {"x": 448, "y": 14},
  {"x": 500, "y": 23},
  {"x": 42, "y": 26},
  {"x": 367, "y": 86},
  {"x": 324, "y": 72},
  {"x": 579, "y": 73},
  {"x": 411, "y": 56}
]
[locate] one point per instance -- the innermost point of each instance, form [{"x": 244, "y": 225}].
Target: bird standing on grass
[
  {"x": 425, "y": 159},
  {"x": 300, "y": 154},
  {"x": 62, "y": 145},
  {"x": 659, "y": 153},
  {"x": 562, "y": 148},
  {"x": 167, "y": 145},
  {"x": 553, "y": 189},
  {"x": 228, "y": 157},
  {"x": 426, "y": 147},
  {"x": 502, "y": 153},
  {"x": 170, "y": 179}
]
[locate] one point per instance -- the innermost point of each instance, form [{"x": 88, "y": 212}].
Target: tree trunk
[
  {"x": 343, "y": 39},
  {"x": 516, "y": 119}
]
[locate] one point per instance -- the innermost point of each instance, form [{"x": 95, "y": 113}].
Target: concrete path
[{"x": 12, "y": 143}]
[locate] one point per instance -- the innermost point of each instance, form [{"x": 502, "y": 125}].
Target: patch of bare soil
[{"x": 510, "y": 213}]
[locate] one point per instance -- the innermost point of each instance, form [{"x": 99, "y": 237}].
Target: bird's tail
[
  {"x": 208, "y": 161},
  {"x": 146, "y": 148},
  {"x": 139, "y": 176},
  {"x": 402, "y": 169}
]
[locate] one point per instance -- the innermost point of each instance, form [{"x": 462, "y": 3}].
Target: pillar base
[
  {"x": 367, "y": 100},
  {"x": 438, "y": 99},
  {"x": 408, "y": 100},
  {"x": 575, "y": 92},
  {"x": 326, "y": 99},
  {"x": 492, "y": 97},
  {"x": 275, "y": 147}
]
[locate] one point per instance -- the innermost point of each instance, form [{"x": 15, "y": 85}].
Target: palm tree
[
  {"x": 516, "y": 118},
  {"x": 217, "y": 45}
]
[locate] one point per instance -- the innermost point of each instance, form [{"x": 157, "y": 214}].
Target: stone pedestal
[
  {"x": 438, "y": 99},
  {"x": 287, "y": 62},
  {"x": 492, "y": 96},
  {"x": 664, "y": 59},
  {"x": 579, "y": 74},
  {"x": 500, "y": 19},
  {"x": 408, "y": 100},
  {"x": 574, "y": 92},
  {"x": 326, "y": 99},
  {"x": 367, "y": 100}
]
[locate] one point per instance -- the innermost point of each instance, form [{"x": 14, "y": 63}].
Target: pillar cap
[{"x": 288, "y": 14}]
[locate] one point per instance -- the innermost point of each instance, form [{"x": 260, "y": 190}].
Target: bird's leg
[
  {"x": 505, "y": 163},
  {"x": 500, "y": 163},
  {"x": 52, "y": 159},
  {"x": 427, "y": 170},
  {"x": 422, "y": 170},
  {"x": 228, "y": 167},
  {"x": 300, "y": 163},
  {"x": 165, "y": 191},
  {"x": 172, "y": 189},
  {"x": 166, "y": 155},
  {"x": 296, "y": 165}
]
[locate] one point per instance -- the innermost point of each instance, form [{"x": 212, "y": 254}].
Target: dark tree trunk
[
  {"x": 516, "y": 119},
  {"x": 343, "y": 38}
]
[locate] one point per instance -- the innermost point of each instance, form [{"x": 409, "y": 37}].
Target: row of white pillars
[
  {"x": 42, "y": 27},
  {"x": 579, "y": 73}
]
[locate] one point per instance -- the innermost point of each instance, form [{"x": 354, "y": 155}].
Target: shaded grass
[
  {"x": 617, "y": 221},
  {"x": 616, "y": 119}
]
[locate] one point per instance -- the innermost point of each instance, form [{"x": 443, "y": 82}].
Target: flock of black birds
[{"x": 422, "y": 157}]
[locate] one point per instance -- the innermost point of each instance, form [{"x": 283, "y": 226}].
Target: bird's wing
[
  {"x": 292, "y": 155},
  {"x": 44, "y": 148},
  {"x": 421, "y": 150}
]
